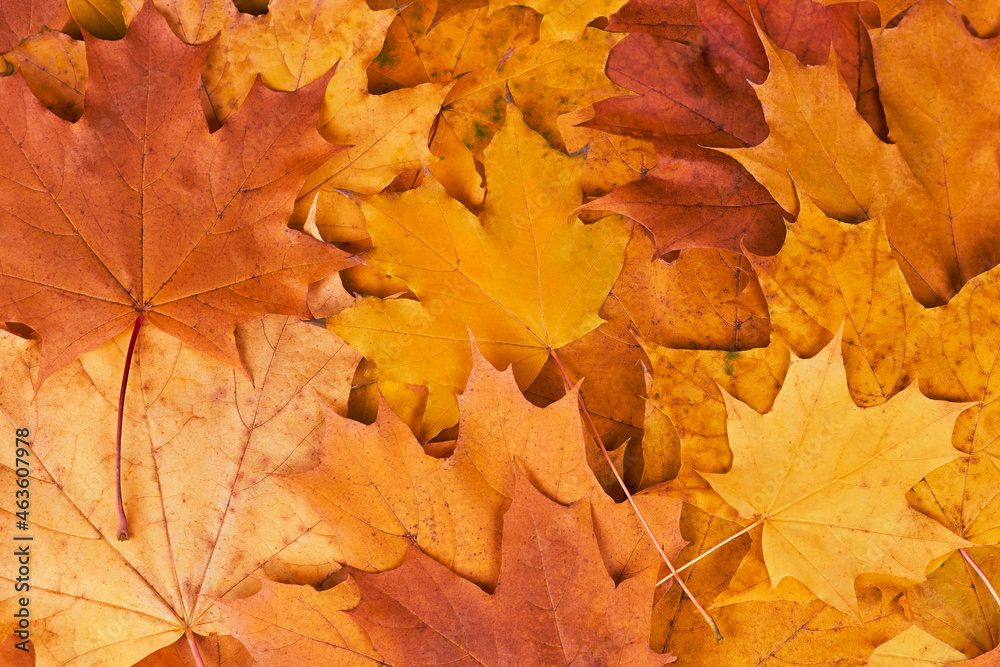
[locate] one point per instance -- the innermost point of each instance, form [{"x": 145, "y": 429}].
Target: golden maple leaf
[
  {"x": 760, "y": 633},
  {"x": 827, "y": 480},
  {"x": 291, "y": 45},
  {"x": 827, "y": 271},
  {"x": 916, "y": 645},
  {"x": 525, "y": 277},
  {"x": 955, "y": 604}
]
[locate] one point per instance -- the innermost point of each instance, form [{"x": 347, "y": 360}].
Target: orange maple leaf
[
  {"x": 20, "y": 20},
  {"x": 200, "y": 476},
  {"x": 138, "y": 209},
  {"x": 554, "y": 604}
]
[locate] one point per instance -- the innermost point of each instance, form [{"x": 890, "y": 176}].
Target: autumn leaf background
[{"x": 496, "y": 333}]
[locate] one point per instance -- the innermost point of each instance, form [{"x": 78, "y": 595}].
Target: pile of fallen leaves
[{"x": 571, "y": 332}]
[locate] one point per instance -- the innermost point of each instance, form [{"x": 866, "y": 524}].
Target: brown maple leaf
[
  {"x": 137, "y": 209},
  {"x": 693, "y": 92},
  {"x": 677, "y": 20},
  {"x": 554, "y": 604},
  {"x": 705, "y": 299}
]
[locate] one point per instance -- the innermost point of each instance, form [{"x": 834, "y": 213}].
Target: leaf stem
[
  {"x": 982, "y": 575},
  {"x": 717, "y": 546},
  {"x": 122, "y": 521},
  {"x": 194, "y": 647},
  {"x": 628, "y": 496}
]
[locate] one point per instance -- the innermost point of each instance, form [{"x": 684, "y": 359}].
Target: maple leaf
[
  {"x": 888, "y": 9},
  {"x": 544, "y": 80},
  {"x": 421, "y": 48},
  {"x": 487, "y": 55},
  {"x": 691, "y": 200},
  {"x": 206, "y": 511},
  {"x": 138, "y": 209},
  {"x": 813, "y": 469},
  {"x": 933, "y": 170},
  {"x": 955, "y": 605},
  {"x": 379, "y": 491},
  {"x": 889, "y": 338},
  {"x": 554, "y": 603},
  {"x": 55, "y": 68},
  {"x": 565, "y": 20},
  {"x": 291, "y": 45},
  {"x": 675, "y": 20},
  {"x": 678, "y": 96},
  {"x": 687, "y": 389},
  {"x": 913, "y": 646},
  {"x": 283, "y": 624},
  {"x": 959, "y": 363},
  {"x": 524, "y": 277},
  {"x": 696, "y": 86},
  {"x": 778, "y": 633},
  {"x": 611, "y": 160},
  {"x": 385, "y": 134},
  {"x": 454, "y": 135},
  {"x": 495, "y": 54},
  {"x": 20, "y": 20},
  {"x": 215, "y": 651},
  {"x": 692, "y": 92},
  {"x": 827, "y": 271},
  {"x": 704, "y": 299},
  {"x": 608, "y": 358},
  {"x": 761, "y": 633}
]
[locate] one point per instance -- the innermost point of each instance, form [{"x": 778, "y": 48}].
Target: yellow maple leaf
[
  {"x": 291, "y": 45},
  {"x": 564, "y": 19},
  {"x": 827, "y": 270},
  {"x": 772, "y": 633},
  {"x": 525, "y": 277},
  {"x": 828, "y": 480},
  {"x": 55, "y": 67},
  {"x": 688, "y": 389},
  {"x": 956, "y": 605},
  {"x": 914, "y": 647}
]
